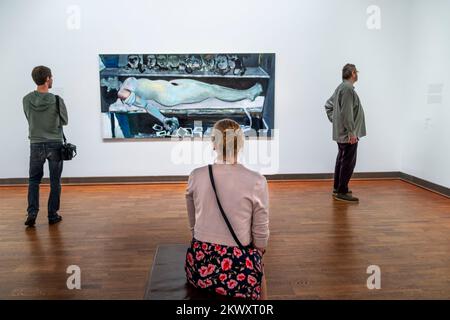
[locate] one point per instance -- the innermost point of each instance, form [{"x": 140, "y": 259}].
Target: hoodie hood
[{"x": 41, "y": 101}]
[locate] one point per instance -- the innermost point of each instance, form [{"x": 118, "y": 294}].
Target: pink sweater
[{"x": 243, "y": 194}]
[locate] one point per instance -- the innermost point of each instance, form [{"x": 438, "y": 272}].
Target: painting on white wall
[{"x": 182, "y": 95}]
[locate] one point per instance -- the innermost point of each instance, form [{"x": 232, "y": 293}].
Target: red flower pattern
[
  {"x": 189, "y": 274},
  {"x": 190, "y": 259},
  {"x": 237, "y": 252},
  {"x": 240, "y": 277},
  {"x": 226, "y": 264},
  {"x": 199, "y": 255},
  {"x": 248, "y": 264},
  {"x": 203, "y": 271},
  {"x": 232, "y": 284},
  {"x": 225, "y": 270},
  {"x": 221, "y": 291},
  {"x": 211, "y": 269},
  {"x": 201, "y": 284},
  {"x": 251, "y": 280}
]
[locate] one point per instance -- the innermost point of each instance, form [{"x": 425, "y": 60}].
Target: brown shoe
[
  {"x": 335, "y": 192},
  {"x": 346, "y": 197}
]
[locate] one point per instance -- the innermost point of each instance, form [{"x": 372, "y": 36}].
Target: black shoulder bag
[
  {"x": 211, "y": 176},
  {"x": 68, "y": 150}
]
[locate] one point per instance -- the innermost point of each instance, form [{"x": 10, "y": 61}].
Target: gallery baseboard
[
  {"x": 328, "y": 176},
  {"x": 425, "y": 184},
  {"x": 275, "y": 177}
]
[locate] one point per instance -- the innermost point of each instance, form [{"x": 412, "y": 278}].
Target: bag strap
[
  {"x": 211, "y": 177},
  {"x": 60, "y": 118}
]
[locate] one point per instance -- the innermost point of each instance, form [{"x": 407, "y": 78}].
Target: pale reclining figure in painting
[{"x": 140, "y": 93}]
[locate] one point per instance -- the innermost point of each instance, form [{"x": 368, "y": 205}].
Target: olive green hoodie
[{"x": 44, "y": 122}]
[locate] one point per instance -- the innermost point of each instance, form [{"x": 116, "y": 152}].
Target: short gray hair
[{"x": 347, "y": 71}]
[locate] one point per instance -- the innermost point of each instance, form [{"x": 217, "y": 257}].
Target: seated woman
[{"x": 228, "y": 213}]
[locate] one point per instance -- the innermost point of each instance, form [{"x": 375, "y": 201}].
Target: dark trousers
[
  {"x": 39, "y": 152},
  {"x": 345, "y": 164}
]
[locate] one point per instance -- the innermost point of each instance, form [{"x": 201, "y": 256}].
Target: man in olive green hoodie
[{"x": 45, "y": 123}]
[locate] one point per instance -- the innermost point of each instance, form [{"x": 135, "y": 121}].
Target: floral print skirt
[{"x": 225, "y": 270}]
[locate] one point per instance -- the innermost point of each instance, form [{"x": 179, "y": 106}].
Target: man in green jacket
[
  {"x": 345, "y": 111},
  {"x": 45, "y": 123}
]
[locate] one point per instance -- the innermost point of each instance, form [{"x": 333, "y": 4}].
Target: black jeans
[
  {"x": 39, "y": 152},
  {"x": 345, "y": 164}
]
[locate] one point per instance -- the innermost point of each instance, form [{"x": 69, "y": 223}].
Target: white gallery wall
[
  {"x": 312, "y": 41},
  {"x": 426, "y": 134}
]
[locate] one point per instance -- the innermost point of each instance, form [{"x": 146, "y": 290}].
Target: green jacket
[
  {"x": 44, "y": 122},
  {"x": 346, "y": 113}
]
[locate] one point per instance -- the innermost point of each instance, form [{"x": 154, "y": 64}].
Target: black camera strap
[
  {"x": 60, "y": 118},
  {"x": 68, "y": 150}
]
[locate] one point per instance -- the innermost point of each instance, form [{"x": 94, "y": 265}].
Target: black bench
[{"x": 167, "y": 279}]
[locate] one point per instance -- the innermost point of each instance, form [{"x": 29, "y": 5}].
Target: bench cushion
[{"x": 167, "y": 279}]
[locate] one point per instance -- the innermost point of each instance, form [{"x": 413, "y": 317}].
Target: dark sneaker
[
  {"x": 31, "y": 221},
  {"x": 55, "y": 219},
  {"x": 346, "y": 197},
  {"x": 335, "y": 192}
]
